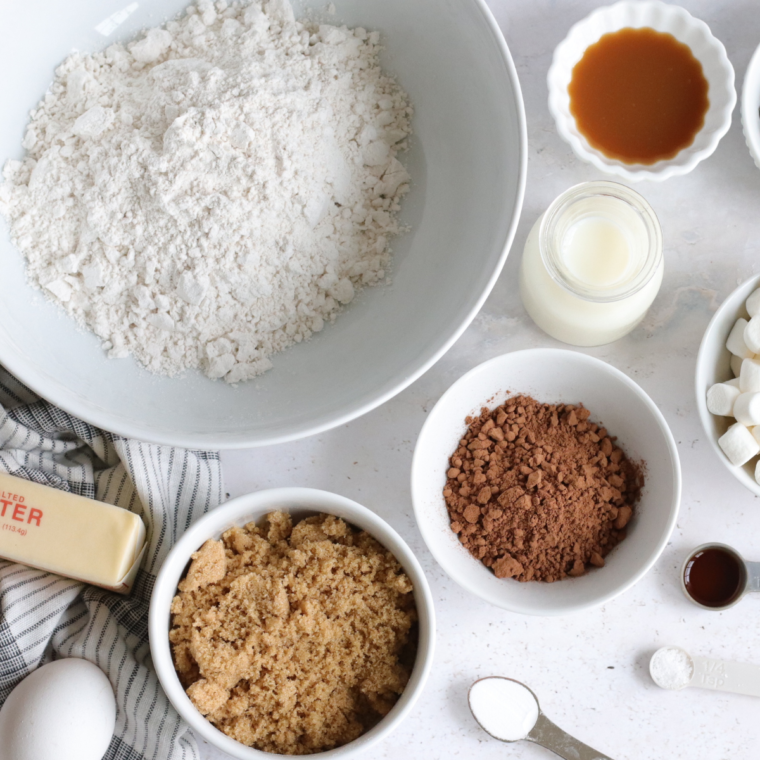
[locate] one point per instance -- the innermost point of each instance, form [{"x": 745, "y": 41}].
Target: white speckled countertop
[{"x": 590, "y": 671}]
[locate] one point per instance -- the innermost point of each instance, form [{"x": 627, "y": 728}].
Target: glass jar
[{"x": 592, "y": 264}]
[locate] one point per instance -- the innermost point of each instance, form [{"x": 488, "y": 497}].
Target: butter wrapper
[{"x": 70, "y": 535}]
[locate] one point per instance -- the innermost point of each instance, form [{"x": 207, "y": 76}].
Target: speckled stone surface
[{"x": 590, "y": 671}]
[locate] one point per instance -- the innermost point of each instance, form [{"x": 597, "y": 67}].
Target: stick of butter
[{"x": 69, "y": 535}]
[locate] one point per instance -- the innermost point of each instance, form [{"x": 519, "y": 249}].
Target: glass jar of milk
[{"x": 592, "y": 264}]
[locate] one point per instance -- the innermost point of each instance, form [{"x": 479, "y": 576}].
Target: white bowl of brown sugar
[
  {"x": 546, "y": 482},
  {"x": 292, "y": 621}
]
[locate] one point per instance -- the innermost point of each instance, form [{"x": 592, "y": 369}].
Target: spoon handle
[
  {"x": 722, "y": 675},
  {"x": 553, "y": 738},
  {"x": 753, "y": 575}
]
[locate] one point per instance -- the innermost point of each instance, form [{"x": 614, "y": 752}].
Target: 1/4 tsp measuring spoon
[
  {"x": 675, "y": 669},
  {"x": 509, "y": 711}
]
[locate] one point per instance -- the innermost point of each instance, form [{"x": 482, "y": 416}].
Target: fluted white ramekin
[
  {"x": 751, "y": 107},
  {"x": 662, "y": 18}
]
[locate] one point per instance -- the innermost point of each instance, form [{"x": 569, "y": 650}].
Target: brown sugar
[
  {"x": 538, "y": 491},
  {"x": 294, "y": 639}
]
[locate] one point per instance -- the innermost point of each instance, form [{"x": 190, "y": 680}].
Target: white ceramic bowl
[
  {"x": 552, "y": 376},
  {"x": 713, "y": 366},
  {"x": 468, "y": 167},
  {"x": 751, "y": 107},
  {"x": 301, "y": 502},
  {"x": 663, "y": 18}
]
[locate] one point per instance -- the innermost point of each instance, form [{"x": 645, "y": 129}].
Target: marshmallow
[
  {"x": 735, "y": 343},
  {"x": 736, "y": 365},
  {"x": 734, "y": 382},
  {"x": 747, "y": 409},
  {"x": 752, "y": 335},
  {"x": 757, "y": 472},
  {"x": 721, "y": 398},
  {"x": 753, "y": 303},
  {"x": 749, "y": 377},
  {"x": 738, "y": 444},
  {"x": 755, "y": 432}
]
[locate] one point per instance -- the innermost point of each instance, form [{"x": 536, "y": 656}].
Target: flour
[{"x": 215, "y": 191}]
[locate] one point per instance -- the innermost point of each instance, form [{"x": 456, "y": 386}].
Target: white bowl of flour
[{"x": 233, "y": 259}]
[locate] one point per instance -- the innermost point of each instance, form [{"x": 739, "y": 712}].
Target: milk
[
  {"x": 592, "y": 264},
  {"x": 597, "y": 251}
]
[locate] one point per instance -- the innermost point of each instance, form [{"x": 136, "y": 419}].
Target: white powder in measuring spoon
[
  {"x": 671, "y": 668},
  {"x": 504, "y": 708}
]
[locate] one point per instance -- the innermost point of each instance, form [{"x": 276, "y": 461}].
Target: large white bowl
[
  {"x": 713, "y": 366},
  {"x": 300, "y": 502},
  {"x": 468, "y": 166},
  {"x": 663, "y": 18},
  {"x": 551, "y": 376}
]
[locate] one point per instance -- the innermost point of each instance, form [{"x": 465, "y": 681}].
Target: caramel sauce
[
  {"x": 713, "y": 577},
  {"x": 638, "y": 95}
]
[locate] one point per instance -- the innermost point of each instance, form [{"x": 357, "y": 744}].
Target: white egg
[{"x": 64, "y": 710}]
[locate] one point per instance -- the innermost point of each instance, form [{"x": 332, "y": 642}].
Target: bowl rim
[
  {"x": 551, "y": 354},
  {"x": 79, "y": 406},
  {"x": 749, "y": 107},
  {"x": 229, "y": 514},
  {"x": 705, "y": 416},
  {"x": 661, "y": 170}
]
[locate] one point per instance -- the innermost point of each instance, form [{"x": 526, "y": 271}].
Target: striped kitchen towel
[{"x": 45, "y": 617}]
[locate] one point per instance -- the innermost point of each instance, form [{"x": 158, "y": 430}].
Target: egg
[{"x": 64, "y": 710}]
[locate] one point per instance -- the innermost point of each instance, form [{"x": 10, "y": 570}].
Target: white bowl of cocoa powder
[{"x": 546, "y": 482}]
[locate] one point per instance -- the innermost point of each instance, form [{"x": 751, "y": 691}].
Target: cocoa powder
[{"x": 538, "y": 491}]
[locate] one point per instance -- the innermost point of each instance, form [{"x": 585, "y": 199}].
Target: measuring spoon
[
  {"x": 509, "y": 711},
  {"x": 743, "y": 576},
  {"x": 719, "y": 675}
]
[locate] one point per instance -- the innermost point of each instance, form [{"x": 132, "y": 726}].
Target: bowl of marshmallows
[{"x": 728, "y": 383}]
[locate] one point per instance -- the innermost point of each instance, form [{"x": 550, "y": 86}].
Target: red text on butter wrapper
[{"x": 13, "y": 506}]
